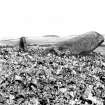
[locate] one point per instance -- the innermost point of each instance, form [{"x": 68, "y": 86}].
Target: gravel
[{"x": 35, "y": 77}]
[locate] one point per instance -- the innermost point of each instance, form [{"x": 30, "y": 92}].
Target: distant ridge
[{"x": 50, "y": 36}]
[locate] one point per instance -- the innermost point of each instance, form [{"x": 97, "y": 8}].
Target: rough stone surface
[
  {"x": 23, "y": 44},
  {"x": 83, "y": 43}
]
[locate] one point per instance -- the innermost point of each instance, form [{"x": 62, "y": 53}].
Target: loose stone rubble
[
  {"x": 30, "y": 78},
  {"x": 55, "y": 78}
]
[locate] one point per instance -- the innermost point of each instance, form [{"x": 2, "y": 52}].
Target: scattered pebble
[{"x": 50, "y": 79}]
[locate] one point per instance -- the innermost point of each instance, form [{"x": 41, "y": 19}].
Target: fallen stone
[{"x": 84, "y": 43}]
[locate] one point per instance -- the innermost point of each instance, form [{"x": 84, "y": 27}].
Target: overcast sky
[{"x": 33, "y": 18}]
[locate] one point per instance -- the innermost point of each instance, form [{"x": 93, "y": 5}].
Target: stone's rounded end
[
  {"x": 100, "y": 39},
  {"x": 98, "y": 36}
]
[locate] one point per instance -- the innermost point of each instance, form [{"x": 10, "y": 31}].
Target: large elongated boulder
[{"x": 82, "y": 44}]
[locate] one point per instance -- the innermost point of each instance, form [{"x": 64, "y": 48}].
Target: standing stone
[
  {"x": 84, "y": 43},
  {"x": 23, "y": 44}
]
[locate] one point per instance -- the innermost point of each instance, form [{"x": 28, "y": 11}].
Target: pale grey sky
[{"x": 33, "y": 18}]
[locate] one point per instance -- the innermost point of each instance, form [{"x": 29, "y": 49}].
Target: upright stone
[
  {"x": 84, "y": 43},
  {"x": 23, "y": 44}
]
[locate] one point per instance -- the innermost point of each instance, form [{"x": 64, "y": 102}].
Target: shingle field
[{"x": 35, "y": 77}]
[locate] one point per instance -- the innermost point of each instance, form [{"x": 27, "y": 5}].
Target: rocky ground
[{"x": 35, "y": 77}]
